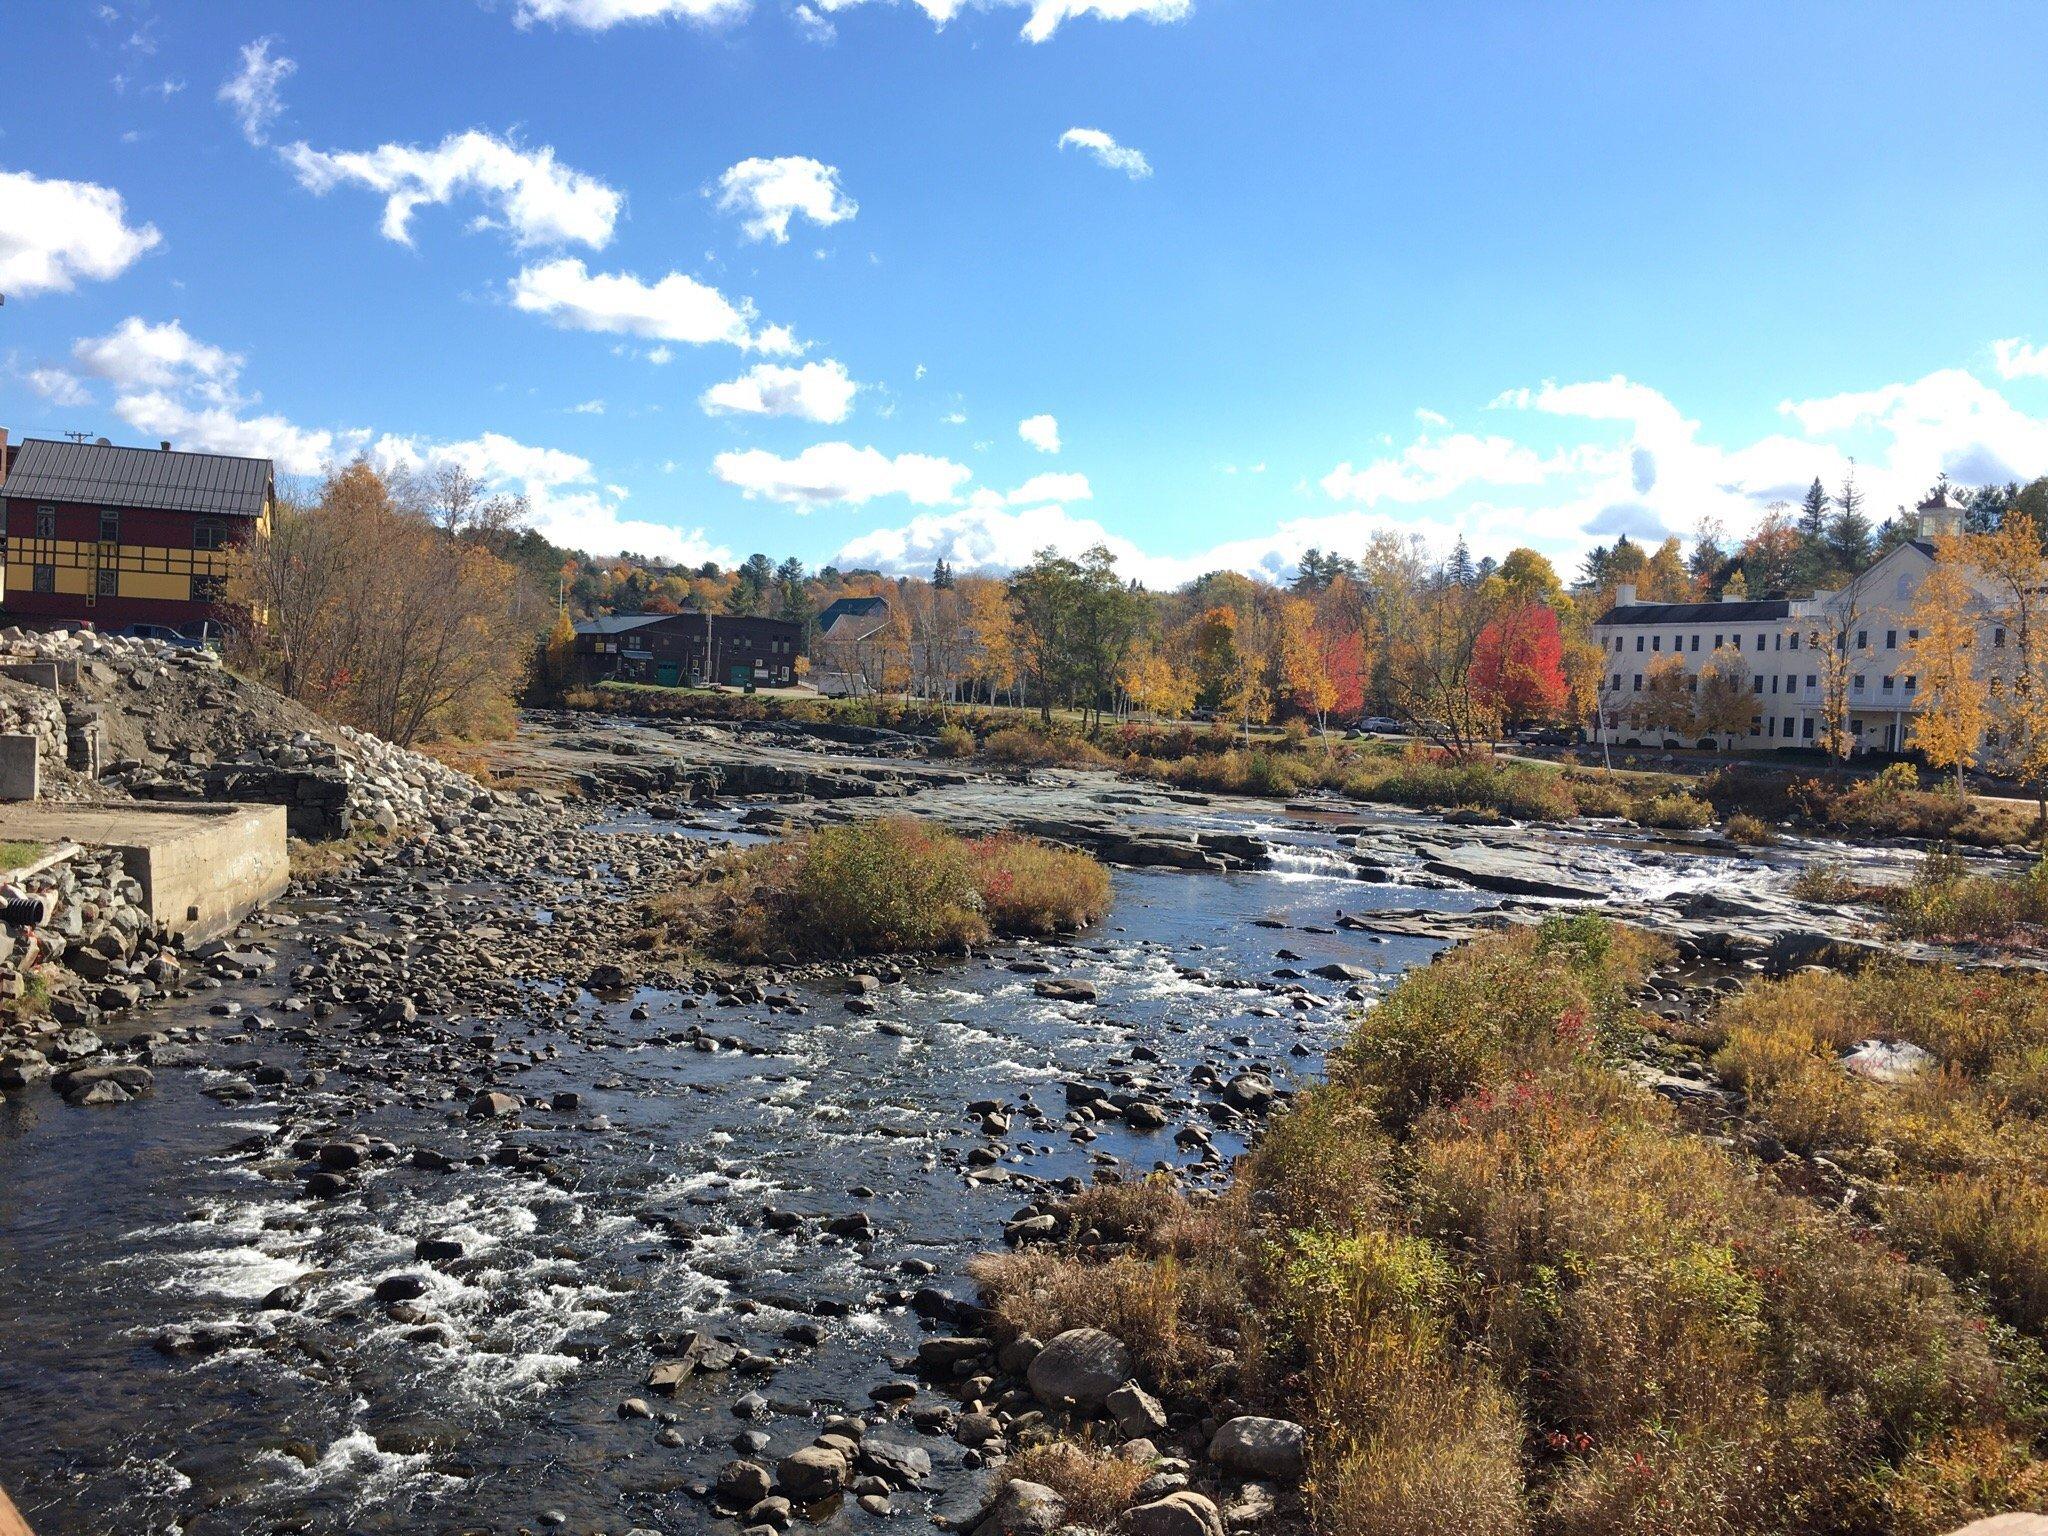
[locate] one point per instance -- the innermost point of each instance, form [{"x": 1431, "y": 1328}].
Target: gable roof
[
  {"x": 153, "y": 479},
  {"x": 851, "y": 608},
  {"x": 1698, "y": 613}
]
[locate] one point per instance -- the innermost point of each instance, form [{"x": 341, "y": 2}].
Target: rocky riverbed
[{"x": 438, "y": 1207}]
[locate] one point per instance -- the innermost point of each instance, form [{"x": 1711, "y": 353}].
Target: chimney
[
  {"x": 164, "y": 446},
  {"x": 1625, "y": 595}
]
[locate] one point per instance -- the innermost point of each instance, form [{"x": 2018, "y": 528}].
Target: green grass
[{"x": 18, "y": 855}]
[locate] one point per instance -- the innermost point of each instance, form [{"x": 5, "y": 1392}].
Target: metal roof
[
  {"x": 859, "y": 607},
  {"x": 156, "y": 479},
  {"x": 1697, "y": 613},
  {"x": 621, "y": 623}
]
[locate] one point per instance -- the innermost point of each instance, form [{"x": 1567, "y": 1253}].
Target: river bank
[{"x": 438, "y": 1180}]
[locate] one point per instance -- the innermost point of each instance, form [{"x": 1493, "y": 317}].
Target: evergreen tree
[
  {"x": 1849, "y": 542},
  {"x": 1813, "y": 511},
  {"x": 942, "y": 576},
  {"x": 1458, "y": 570}
]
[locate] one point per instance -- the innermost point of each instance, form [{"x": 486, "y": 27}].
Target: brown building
[
  {"x": 117, "y": 536},
  {"x": 697, "y": 650}
]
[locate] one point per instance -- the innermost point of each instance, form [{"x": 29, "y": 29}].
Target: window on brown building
[
  {"x": 110, "y": 527},
  {"x": 207, "y": 534}
]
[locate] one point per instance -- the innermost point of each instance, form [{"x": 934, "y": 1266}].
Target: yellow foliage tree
[
  {"x": 1157, "y": 687},
  {"x": 1951, "y": 694}
]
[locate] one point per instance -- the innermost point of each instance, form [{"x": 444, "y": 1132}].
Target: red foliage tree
[
  {"x": 1518, "y": 664},
  {"x": 1344, "y": 655}
]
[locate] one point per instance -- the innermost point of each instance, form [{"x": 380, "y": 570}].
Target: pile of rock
[
  {"x": 1210, "y": 1468},
  {"x": 159, "y": 721},
  {"x": 98, "y": 955}
]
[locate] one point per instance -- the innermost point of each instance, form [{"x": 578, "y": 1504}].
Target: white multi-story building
[{"x": 1774, "y": 651}]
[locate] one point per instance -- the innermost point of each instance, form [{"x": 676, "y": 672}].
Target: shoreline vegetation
[
  {"x": 888, "y": 886},
  {"x": 1509, "y": 1291},
  {"x": 1747, "y": 800}
]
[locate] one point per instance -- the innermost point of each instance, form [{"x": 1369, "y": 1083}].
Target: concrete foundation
[
  {"x": 201, "y": 868},
  {"x": 20, "y": 779}
]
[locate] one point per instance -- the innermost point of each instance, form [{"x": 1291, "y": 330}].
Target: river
[{"x": 145, "y": 1385}]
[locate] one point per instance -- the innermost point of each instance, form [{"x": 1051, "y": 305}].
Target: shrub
[
  {"x": 1508, "y": 1291},
  {"x": 1828, "y": 884},
  {"x": 1024, "y": 746},
  {"x": 1097, "y": 1484},
  {"x": 886, "y": 886},
  {"x": 1029, "y": 887},
  {"x": 1675, "y": 812},
  {"x": 1750, "y": 831},
  {"x": 953, "y": 741}
]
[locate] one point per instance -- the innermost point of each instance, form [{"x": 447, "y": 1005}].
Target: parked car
[
  {"x": 1384, "y": 725},
  {"x": 163, "y": 632}
]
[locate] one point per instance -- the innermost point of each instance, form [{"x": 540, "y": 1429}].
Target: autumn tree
[
  {"x": 1518, "y": 664},
  {"x": 1156, "y": 686},
  {"x": 374, "y": 614},
  {"x": 2014, "y": 570},
  {"x": 1725, "y": 702},
  {"x": 1831, "y": 639},
  {"x": 1300, "y": 666},
  {"x": 1951, "y": 716}
]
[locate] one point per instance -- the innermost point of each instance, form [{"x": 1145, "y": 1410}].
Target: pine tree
[
  {"x": 1458, "y": 570},
  {"x": 1849, "y": 541},
  {"x": 1813, "y": 511}
]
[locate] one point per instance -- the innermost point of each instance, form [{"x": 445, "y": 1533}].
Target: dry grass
[
  {"x": 1169, "y": 1278},
  {"x": 1097, "y": 1484},
  {"x": 889, "y": 886},
  {"x": 1965, "y": 1143},
  {"x": 1509, "y": 1292}
]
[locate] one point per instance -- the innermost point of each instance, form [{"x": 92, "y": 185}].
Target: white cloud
[
  {"x": 1054, "y": 487},
  {"x": 982, "y": 538},
  {"x": 492, "y": 457},
  {"x": 1431, "y": 468},
  {"x": 52, "y": 233},
  {"x": 1107, "y": 152},
  {"x": 815, "y": 392},
  {"x": 1948, "y": 422},
  {"x": 828, "y": 473},
  {"x": 218, "y": 429},
  {"x": 58, "y": 387},
  {"x": 138, "y": 355},
  {"x": 601, "y": 15},
  {"x": 587, "y": 408},
  {"x": 675, "y": 308},
  {"x": 593, "y": 522},
  {"x": 1046, "y": 15},
  {"x": 254, "y": 91},
  {"x": 769, "y": 193},
  {"x": 532, "y": 196},
  {"x": 1041, "y": 432},
  {"x": 1431, "y": 418},
  {"x": 2017, "y": 360}
]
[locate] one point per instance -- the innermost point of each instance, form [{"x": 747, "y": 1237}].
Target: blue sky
[{"x": 711, "y": 276}]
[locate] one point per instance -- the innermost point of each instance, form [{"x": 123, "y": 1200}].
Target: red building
[{"x": 117, "y": 536}]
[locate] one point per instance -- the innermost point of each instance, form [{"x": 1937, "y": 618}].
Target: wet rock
[
  {"x": 811, "y": 1475},
  {"x": 400, "y": 1288},
  {"x": 1065, "y": 990},
  {"x": 743, "y": 1484},
  {"x": 493, "y": 1106},
  {"x": 898, "y": 1464}
]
